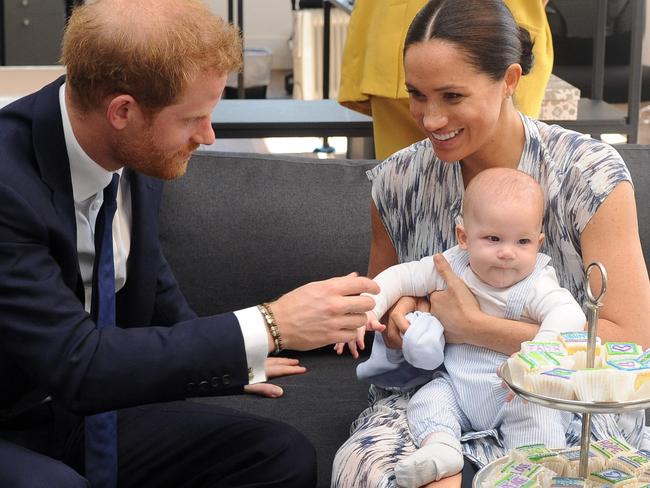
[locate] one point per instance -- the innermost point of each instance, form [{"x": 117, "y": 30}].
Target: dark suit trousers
[{"x": 175, "y": 445}]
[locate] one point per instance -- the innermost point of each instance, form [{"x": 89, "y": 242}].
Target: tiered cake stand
[{"x": 585, "y": 408}]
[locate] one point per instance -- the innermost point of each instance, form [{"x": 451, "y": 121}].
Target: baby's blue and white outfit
[{"x": 468, "y": 396}]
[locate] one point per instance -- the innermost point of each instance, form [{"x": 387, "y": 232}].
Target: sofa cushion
[{"x": 239, "y": 229}]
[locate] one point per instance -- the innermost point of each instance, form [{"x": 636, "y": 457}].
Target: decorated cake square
[
  {"x": 614, "y": 350},
  {"x": 572, "y": 458},
  {"x": 608, "y": 449},
  {"x": 555, "y": 383},
  {"x": 612, "y": 478}
]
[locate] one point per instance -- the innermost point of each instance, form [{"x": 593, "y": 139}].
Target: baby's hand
[
  {"x": 355, "y": 346},
  {"x": 373, "y": 323},
  {"x": 359, "y": 344}
]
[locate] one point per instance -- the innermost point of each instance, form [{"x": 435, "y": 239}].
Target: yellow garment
[
  {"x": 373, "y": 66},
  {"x": 393, "y": 128}
]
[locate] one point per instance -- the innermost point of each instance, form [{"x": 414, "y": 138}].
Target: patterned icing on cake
[
  {"x": 515, "y": 481},
  {"x": 613, "y": 477},
  {"x": 553, "y": 347}
]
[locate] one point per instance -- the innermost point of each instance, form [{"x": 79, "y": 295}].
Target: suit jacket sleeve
[{"x": 47, "y": 335}]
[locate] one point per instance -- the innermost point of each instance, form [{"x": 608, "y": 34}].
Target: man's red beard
[{"x": 140, "y": 153}]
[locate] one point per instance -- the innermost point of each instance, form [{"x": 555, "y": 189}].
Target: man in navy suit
[{"x": 142, "y": 80}]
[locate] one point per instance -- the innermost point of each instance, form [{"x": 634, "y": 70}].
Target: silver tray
[
  {"x": 571, "y": 405},
  {"x": 484, "y": 473}
]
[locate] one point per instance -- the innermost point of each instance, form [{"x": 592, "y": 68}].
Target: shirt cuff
[{"x": 256, "y": 342}]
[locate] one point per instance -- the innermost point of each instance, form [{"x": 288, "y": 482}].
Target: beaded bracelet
[{"x": 265, "y": 310}]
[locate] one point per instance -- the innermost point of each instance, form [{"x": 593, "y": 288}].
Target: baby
[{"x": 497, "y": 258}]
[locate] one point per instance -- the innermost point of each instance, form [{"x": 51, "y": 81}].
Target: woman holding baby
[{"x": 463, "y": 60}]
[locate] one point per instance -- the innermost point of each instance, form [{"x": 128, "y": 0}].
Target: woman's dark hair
[{"x": 484, "y": 29}]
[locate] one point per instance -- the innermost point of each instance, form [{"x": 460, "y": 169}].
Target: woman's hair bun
[{"x": 526, "y": 60}]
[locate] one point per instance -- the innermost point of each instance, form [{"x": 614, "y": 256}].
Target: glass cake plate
[{"x": 572, "y": 405}]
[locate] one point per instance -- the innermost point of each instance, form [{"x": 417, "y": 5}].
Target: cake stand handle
[
  {"x": 593, "y": 303},
  {"x": 585, "y": 437}
]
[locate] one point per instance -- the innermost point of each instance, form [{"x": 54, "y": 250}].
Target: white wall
[{"x": 267, "y": 23}]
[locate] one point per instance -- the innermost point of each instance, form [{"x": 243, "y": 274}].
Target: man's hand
[
  {"x": 324, "y": 312},
  {"x": 275, "y": 367},
  {"x": 397, "y": 324},
  {"x": 455, "y": 307}
]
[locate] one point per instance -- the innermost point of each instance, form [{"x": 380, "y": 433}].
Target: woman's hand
[
  {"x": 396, "y": 323},
  {"x": 455, "y": 307},
  {"x": 275, "y": 367}
]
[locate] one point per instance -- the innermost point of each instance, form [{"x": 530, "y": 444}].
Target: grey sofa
[{"x": 240, "y": 229}]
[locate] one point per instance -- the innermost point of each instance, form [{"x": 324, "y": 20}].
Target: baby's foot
[{"x": 429, "y": 463}]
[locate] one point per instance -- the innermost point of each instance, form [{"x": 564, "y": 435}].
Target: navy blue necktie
[{"x": 101, "y": 429}]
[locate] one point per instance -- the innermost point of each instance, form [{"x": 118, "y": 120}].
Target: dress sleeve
[
  {"x": 596, "y": 170},
  {"x": 388, "y": 183}
]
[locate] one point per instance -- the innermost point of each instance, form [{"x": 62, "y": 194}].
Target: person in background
[
  {"x": 460, "y": 94},
  {"x": 99, "y": 348},
  {"x": 372, "y": 72}
]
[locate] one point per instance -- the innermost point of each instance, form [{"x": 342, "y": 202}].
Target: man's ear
[
  {"x": 121, "y": 110},
  {"x": 461, "y": 236}
]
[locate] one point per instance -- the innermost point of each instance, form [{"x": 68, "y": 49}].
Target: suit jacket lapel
[
  {"x": 52, "y": 155},
  {"x": 135, "y": 301},
  {"x": 54, "y": 165}
]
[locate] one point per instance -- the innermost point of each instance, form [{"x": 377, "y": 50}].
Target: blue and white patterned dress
[{"x": 419, "y": 199}]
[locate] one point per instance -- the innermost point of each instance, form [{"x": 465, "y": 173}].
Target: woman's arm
[
  {"x": 382, "y": 256},
  {"x": 382, "y": 251},
  {"x": 612, "y": 237}
]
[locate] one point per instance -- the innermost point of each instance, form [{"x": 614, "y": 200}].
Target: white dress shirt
[{"x": 88, "y": 182}]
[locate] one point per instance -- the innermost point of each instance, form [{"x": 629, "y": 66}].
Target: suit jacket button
[
  {"x": 215, "y": 382},
  {"x": 191, "y": 387},
  {"x": 204, "y": 386},
  {"x": 225, "y": 379}
]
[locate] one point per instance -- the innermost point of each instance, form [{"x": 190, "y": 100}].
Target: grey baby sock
[{"x": 439, "y": 456}]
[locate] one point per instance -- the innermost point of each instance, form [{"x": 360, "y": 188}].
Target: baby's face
[{"x": 502, "y": 240}]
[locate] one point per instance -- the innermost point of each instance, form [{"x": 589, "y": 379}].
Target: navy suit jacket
[{"x": 160, "y": 350}]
